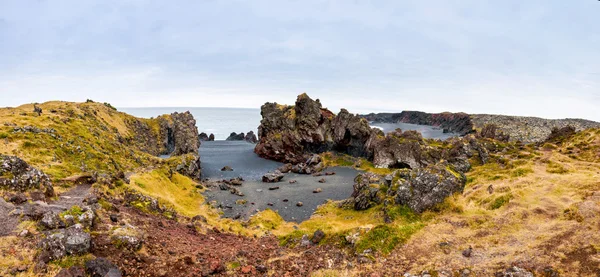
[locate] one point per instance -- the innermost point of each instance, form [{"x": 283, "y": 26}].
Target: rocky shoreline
[
  {"x": 87, "y": 195},
  {"x": 515, "y": 128}
]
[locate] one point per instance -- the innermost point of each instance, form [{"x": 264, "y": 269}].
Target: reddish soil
[{"x": 175, "y": 249}]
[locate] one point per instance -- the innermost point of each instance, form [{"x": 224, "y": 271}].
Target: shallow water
[
  {"x": 425, "y": 130},
  {"x": 245, "y": 163}
]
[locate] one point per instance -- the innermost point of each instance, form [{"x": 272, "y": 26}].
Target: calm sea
[
  {"x": 222, "y": 121},
  {"x": 219, "y": 121}
]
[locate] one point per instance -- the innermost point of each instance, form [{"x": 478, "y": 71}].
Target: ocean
[
  {"x": 218, "y": 121},
  {"x": 222, "y": 121}
]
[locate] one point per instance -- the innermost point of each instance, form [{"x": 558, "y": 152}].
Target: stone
[
  {"x": 114, "y": 218},
  {"x": 51, "y": 220},
  {"x": 69, "y": 220},
  {"x": 273, "y": 188},
  {"x": 75, "y": 271},
  {"x": 203, "y": 137},
  {"x": 17, "y": 198},
  {"x": 87, "y": 217},
  {"x": 226, "y": 168},
  {"x": 317, "y": 190},
  {"x": 101, "y": 267},
  {"x": 293, "y": 181},
  {"x": 322, "y": 180},
  {"x": 128, "y": 236},
  {"x": 17, "y": 175},
  {"x": 299, "y": 204},
  {"x": 72, "y": 241},
  {"x": 467, "y": 252},
  {"x": 272, "y": 177},
  {"x": 317, "y": 236}
]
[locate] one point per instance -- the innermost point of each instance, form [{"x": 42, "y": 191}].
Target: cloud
[{"x": 473, "y": 56}]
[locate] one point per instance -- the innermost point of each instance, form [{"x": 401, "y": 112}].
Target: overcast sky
[{"x": 534, "y": 57}]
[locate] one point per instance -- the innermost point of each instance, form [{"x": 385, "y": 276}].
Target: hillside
[{"x": 493, "y": 208}]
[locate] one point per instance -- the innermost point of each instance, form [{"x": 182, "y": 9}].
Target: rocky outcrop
[
  {"x": 459, "y": 123},
  {"x": 529, "y": 129},
  {"x": 203, "y": 137},
  {"x": 71, "y": 241},
  {"x": 211, "y": 137},
  {"x": 492, "y": 131},
  {"x": 236, "y": 136},
  {"x": 179, "y": 134},
  {"x": 17, "y": 175},
  {"x": 292, "y": 133},
  {"x": 424, "y": 188},
  {"x": 560, "y": 135},
  {"x": 251, "y": 137}
]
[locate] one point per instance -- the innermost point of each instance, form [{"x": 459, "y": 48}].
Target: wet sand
[{"x": 246, "y": 164}]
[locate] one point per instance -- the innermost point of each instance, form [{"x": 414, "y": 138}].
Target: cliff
[
  {"x": 459, "y": 123},
  {"x": 66, "y": 138}
]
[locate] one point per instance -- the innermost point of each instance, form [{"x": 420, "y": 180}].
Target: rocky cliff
[
  {"x": 459, "y": 123},
  {"x": 72, "y": 138},
  {"x": 529, "y": 129},
  {"x": 291, "y": 133}
]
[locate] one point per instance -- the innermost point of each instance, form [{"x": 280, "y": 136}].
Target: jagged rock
[
  {"x": 190, "y": 166},
  {"x": 492, "y": 131},
  {"x": 128, "y": 236},
  {"x": 272, "y": 177},
  {"x": 211, "y": 137},
  {"x": 180, "y": 135},
  {"x": 101, "y": 267},
  {"x": 559, "y": 135},
  {"x": 203, "y": 137},
  {"x": 87, "y": 217},
  {"x": 424, "y": 188},
  {"x": 17, "y": 175},
  {"x": 235, "y": 136},
  {"x": 51, "y": 220},
  {"x": 350, "y": 134},
  {"x": 251, "y": 137},
  {"x": 365, "y": 195},
  {"x": 71, "y": 241}
]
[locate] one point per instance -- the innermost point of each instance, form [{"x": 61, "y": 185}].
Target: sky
[{"x": 534, "y": 57}]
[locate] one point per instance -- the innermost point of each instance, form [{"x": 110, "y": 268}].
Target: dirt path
[{"x": 74, "y": 196}]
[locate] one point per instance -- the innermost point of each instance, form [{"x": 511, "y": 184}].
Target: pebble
[{"x": 299, "y": 204}]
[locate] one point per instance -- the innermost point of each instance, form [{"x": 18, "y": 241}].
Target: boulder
[
  {"x": 17, "y": 175},
  {"x": 87, "y": 217},
  {"x": 101, "y": 267},
  {"x": 227, "y": 168},
  {"x": 272, "y": 177},
  {"x": 51, "y": 220},
  {"x": 71, "y": 241},
  {"x": 423, "y": 188},
  {"x": 317, "y": 236},
  {"x": 17, "y": 198},
  {"x": 128, "y": 236},
  {"x": 179, "y": 134},
  {"x": 235, "y": 136}
]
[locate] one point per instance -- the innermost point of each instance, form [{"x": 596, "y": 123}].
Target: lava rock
[
  {"x": 299, "y": 204},
  {"x": 51, "y": 220},
  {"x": 101, "y": 267},
  {"x": 251, "y": 137},
  {"x": 226, "y": 168},
  {"x": 17, "y": 175},
  {"x": 235, "y": 136},
  {"x": 317, "y": 190},
  {"x": 272, "y": 177},
  {"x": 317, "y": 236}
]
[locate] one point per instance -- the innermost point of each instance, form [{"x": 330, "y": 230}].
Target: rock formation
[
  {"x": 17, "y": 175},
  {"x": 203, "y": 136},
  {"x": 251, "y": 137},
  {"x": 236, "y": 136},
  {"x": 459, "y": 123},
  {"x": 292, "y": 133}
]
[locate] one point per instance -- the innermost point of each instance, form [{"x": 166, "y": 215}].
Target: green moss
[
  {"x": 500, "y": 201},
  {"x": 384, "y": 238},
  {"x": 402, "y": 212},
  {"x": 3, "y": 135},
  {"x": 233, "y": 265},
  {"x": 70, "y": 261},
  {"x": 105, "y": 204},
  {"x": 75, "y": 211}
]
